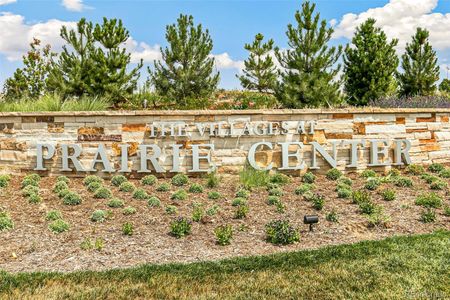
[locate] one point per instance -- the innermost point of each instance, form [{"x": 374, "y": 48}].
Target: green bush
[
  {"x": 242, "y": 194},
  {"x": 333, "y": 174},
  {"x": 273, "y": 200},
  {"x": 149, "y": 180},
  {"x": 179, "y": 195},
  {"x": 429, "y": 200},
  {"x": 276, "y": 192},
  {"x": 99, "y": 216},
  {"x": 180, "y": 180},
  {"x": 212, "y": 210},
  {"x": 214, "y": 195},
  {"x": 72, "y": 198},
  {"x": 377, "y": 218},
  {"x": 62, "y": 193},
  {"x": 60, "y": 185},
  {"x": 92, "y": 178},
  {"x": 140, "y": 194},
  {"x": 33, "y": 177},
  {"x": 239, "y": 201},
  {"x": 367, "y": 207},
  {"x": 115, "y": 203},
  {"x": 224, "y": 234},
  {"x": 6, "y": 222},
  {"x": 318, "y": 201},
  {"x": 154, "y": 202},
  {"x": 180, "y": 227},
  {"x": 279, "y": 178},
  {"x": 163, "y": 187},
  {"x": 445, "y": 173},
  {"x": 360, "y": 196},
  {"x": 332, "y": 216},
  {"x": 429, "y": 178},
  {"x": 308, "y": 196},
  {"x": 129, "y": 210},
  {"x": 436, "y": 168},
  {"x": 439, "y": 185},
  {"x": 368, "y": 173},
  {"x": 27, "y": 181},
  {"x": 58, "y": 226},
  {"x": 309, "y": 177},
  {"x": 30, "y": 190},
  {"x": 280, "y": 207},
  {"x": 281, "y": 232},
  {"x": 428, "y": 215},
  {"x": 250, "y": 178},
  {"x": 344, "y": 193},
  {"x": 342, "y": 185},
  {"x": 403, "y": 182},
  {"x": 127, "y": 229},
  {"x": 372, "y": 184},
  {"x": 127, "y": 187},
  {"x": 53, "y": 215},
  {"x": 305, "y": 187},
  {"x": 198, "y": 213},
  {"x": 212, "y": 180},
  {"x": 34, "y": 198},
  {"x": 62, "y": 179},
  {"x": 4, "y": 180},
  {"x": 117, "y": 180},
  {"x": 447, "y": 210},
  {"x": 196, "y": 188},
  {"x": 93, "y": 186},
  {"x": 345, "y": 180},
  {"x": 415, "y": 169},
  {"x": 241, "y": 211},
  {"x": 171, "y": 209},
  {"x": 388, "y": 194},
  {"x": 393, "y": 173},
  {"x": 103, "y": 193}
]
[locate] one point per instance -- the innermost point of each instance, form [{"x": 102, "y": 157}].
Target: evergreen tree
[
  {"x": 31, "y": 80},
  {"x": 309, "y": 75},
  {"x": 445, "y": 86},
  {"x": 420, "y": 69},
  {"x": 96, "y": 62},
  {"x": 260, "y": 71},
  {"x": 369, "y": 64},
  {"x": 186, "y": 73}
]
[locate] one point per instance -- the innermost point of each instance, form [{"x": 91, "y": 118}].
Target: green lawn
[{"x": 414, "y": 267}]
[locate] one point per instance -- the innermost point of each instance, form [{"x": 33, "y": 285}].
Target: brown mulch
[{"x": 31, "y": 246}]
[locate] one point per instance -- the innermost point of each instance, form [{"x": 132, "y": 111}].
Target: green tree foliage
[
  {"x": 310, "y": 70},
  {"x": 186, "y": 71},
  {"x": 370, "y": 64},
  {"x": 445, "y": 86},
  {"x": 420, "y": 69},
  {"x": 260, "y": 72},
  {"x": 94, "y": 62},
  {"x": 31, "y": 80}
]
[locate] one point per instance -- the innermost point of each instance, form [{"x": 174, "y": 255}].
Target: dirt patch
[{"x": 31, "y": 246}]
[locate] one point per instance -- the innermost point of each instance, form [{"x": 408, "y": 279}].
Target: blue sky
[{"x": 231, "y": 24}]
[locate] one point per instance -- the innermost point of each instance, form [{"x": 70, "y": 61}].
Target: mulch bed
[{"x": 31, "y": 246}]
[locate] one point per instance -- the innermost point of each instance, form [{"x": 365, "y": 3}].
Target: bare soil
[{"x": 31, "y": 246}]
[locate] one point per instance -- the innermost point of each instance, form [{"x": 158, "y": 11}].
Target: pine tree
[
  {"x": 96, "y": 64},
  {"x": 260, "y": 73},
  {"x": 310, "y": 70},
  {"x": 186, "y": 73},
  {"x": 420, "y": 69},
  {"x": 370, "y": 64},
  {"x": 31, "y": 80},
  {"x": 444, "y": 86}
]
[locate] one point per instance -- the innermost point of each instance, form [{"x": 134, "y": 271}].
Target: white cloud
[
  {"x": 4, "y": 2},
  {"x": 224, "y": 61},
  {"x": 399, "y": 19},
  {"x": 16, "y": 34},
  {"x": 142, "y": 51},
  {"x": 73, "y": 5}
]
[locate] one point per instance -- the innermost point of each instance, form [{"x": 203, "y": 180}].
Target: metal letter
[
  {"x": 143, "y": 150},
  {"x": 399, "y": 152},
  {"x": 101, "y": 157},
  {"x": 40, "y": 155},
  {"x": 286, "y": 155},
  {"x": 74, "y": 157},
  {"x": 375, "y": 153},
  {"x": 332, "y": 161},
  {"x": 196, "y": 158},
  {"x": 251, "y": 156}
]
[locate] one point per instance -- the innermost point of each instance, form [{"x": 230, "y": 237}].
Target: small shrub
[
  {"x": 447, "y": 210},
  {"x": 58, "y": 226},
  {"x": 367, "y": 207},
  {"x": 250, "y": 178},
  {"x": 30, "y": 190},
  {"x": 428, "y": 215},
  {"x": 429, "y": 178},
  {"x": 163, "y": 187},
  {"x": 439, "y": 185},
  {"x": 281, "y": 232},
  {"x": 93, "y": 186},
  {"x": 103, "y": 193},
  {"x": 436, "y": 168},
  {"x": 196, "y": 188},
  {"x": 117, "y": 180},
  {"x": 127, "y": 229},
  {"x": 212, "y": 180},
  {"x": 415, "y": 169},
  {"x": 34, "y": 198},
  {"x": 273, "y": 200},
  {"x": 72, "y": 198},
  {"x": 198, "y": 213},
  {"x": 127, "y": 187},
  {"x": 149, "y": 180},
  {"x": 345, "y": 180},
  {"x": 214, "y": 195},
  {"x": 241, "y": 211},
  {"x": 62, "y": 179},
  {"x": 115, "y": 203},
  {"x": 242, "y": 194},
  {"x": 4, "y": 181},
  {"x": 63, "y": 193},
  {"x": 239, "y": 201},
  {"x": 179, "y": 195},
  {"x": 393, "y": 173},
  {"x": 99, "y": 216},
  {"x": 372, "y": 184},
  {"x": 332, "y": 216},
  {"x": 306, "y": 187},
  {"x": 429, "y": 200},
  {"x": 154, "y": 202},
  {"x": 271, "y": 186},
  {"x": 342, "y": 185},
  {"x": 280, "y": 207},
  {"x": 279, "y": 178},
  {"x": 180, "y": 180},
  {"x": 333, "y": 174},
  {"x": 377, "y": 218},
  {"x": 360, "y": 196},
  {"x": 60, "y": 185},
  {"x": 92, "y": 178},
  {"x": 129, "y": 211},
  {"x": 6, "y": 222},
  {"x": 171, "y": 209},
  {"x": 403, "y": 182},
  {"x": 344, "y": 193},
  {"x": 309, "y": 177},
  {"x": 53, "y": 215},
  {"x": 388, "y": 195},
  {"x": 29, "y": 182},
  {"x": 368, "y": 173},
  {"x": 445, "y": 173},
  {"x": 224, "y": 234},
  {"x": 140, "y": 194},
  {"x": 308, "y": 196},
  {"x": 276, "y": 192},
  {"x": 180, "y": 227},
  {"x": 212, "y": 210},
  {"x": 318, "y": 201}
]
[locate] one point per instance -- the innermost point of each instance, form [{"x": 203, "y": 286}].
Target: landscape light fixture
[
  {"x": 311, "y": 219},
  {"x": 145, "y": 103}
]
